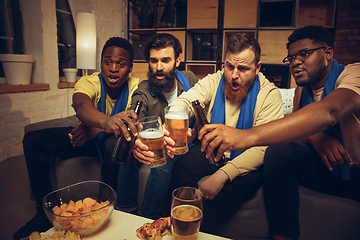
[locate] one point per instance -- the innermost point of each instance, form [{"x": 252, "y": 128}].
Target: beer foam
[
  {"x": 151, "y": 133},
  {"x": 177, "y": 115}
]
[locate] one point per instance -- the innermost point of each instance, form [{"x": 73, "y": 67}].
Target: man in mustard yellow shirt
[{"x": 100, "y": 102}]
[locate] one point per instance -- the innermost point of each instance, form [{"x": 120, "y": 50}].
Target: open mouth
[
  {"x": 297, "y": 72},
  {"x": 113, "y": 78},
  {"x": 160, "y": 76},
  {"x": 235, "y": 86}
]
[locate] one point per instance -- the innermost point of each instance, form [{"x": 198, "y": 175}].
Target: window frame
[{"x": 66, "y": 37}]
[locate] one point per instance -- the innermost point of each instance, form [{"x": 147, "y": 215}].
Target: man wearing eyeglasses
[{"x": 325, "y": 123}]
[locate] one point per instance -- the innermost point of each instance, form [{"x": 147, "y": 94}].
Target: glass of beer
[
  {"x": 151, "y": 134},
  {"x": 177, "y": 122},
  {"x": 186, "y": 213}
]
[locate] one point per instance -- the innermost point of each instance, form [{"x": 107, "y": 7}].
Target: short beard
[
  {"x": 157, "y": 87},
  {"x": 314, "y": 78},
  {"x": 238, "y": 95}
]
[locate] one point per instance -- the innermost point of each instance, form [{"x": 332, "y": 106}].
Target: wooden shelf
[
  {"x": 201, "y": 70},
  {"x": 316, "y": 12},
  {"x": 171, "y": 29},
  {"x": 240, "y": 17},
  {"x": 277, "y": 73},
  {"x": 24, "y": 88},
  {"x": 201, "y": 46},
  {"x": 269, "y": 21},
  {"x": 62, "y": 85},
  {"x": 276, "y": 13},
  {"x": 140, "y": 70},
  {"x": 273, "y": 45},
  {"x": 143, "y": 31},
  {"x": 200, "y": 62},
  {"x": 202, "y": 14}
]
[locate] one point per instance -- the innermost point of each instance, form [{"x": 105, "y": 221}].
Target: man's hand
[
  {"x": 116, "y": 124},
  {"x": 81, "y": 134},
  {"x": 330, "y": 150},
  {"x": 141, "y": 152},
  {"x": 170, "y": 143},
  {"x": 144, "y": 155},
  {"x": 191, "y": 135},
  {"x": 212, "y": 186},
  {"x": 214, "y": 135}
]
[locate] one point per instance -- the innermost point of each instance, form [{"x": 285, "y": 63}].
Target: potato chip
[
  {"x": 59, "y": 235},
  {"x": 81, "y": 223}
]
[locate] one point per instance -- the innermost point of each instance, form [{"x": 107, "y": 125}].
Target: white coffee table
[{"x": 122, "y": 226}]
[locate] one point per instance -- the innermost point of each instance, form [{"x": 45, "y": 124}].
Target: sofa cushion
[
  {"x": 321, "y": 216},
  {"x": 328, "y": 217},
  {"x": 249, "y": 222},
  {"x": 78, "y": 169}
]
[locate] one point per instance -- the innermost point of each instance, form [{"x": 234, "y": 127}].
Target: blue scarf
[
  {"x": 246, "y": 116},
  {"x": 120, "y": 105},
  {"x": 334, "y": 131}
]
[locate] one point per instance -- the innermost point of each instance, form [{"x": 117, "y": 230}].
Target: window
[
  {"x": 66, "y": 36},
  {"x": 6, "y": 30}
]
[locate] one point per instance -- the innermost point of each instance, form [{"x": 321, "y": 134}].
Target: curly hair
[
  {"x": 239, "y": 42},
  {"x": 317, "y": 33},
  {"x": 160, "y": 41},
  {"x": 119, "y": 42}
]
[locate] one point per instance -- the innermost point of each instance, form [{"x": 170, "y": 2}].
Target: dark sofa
[{"x": 322, "y": 217}]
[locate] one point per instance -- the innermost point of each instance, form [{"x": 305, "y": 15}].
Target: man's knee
[
  {"x": 281, "y": 151},
  {"x": 184, "y": 164},
  {"x": 275, "y": 150},
  {"x": 30, "y": 139},
  {"x": 109, "y": 144}
]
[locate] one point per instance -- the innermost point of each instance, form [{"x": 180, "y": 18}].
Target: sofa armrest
[{"x": 70, "y": 121}]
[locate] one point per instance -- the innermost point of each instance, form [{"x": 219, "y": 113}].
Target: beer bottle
[
  {"x": 123, "y": 148},
  {"x": 202, "y": 120}
]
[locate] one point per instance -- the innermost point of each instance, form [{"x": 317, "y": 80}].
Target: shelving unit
[{"x": 203, "y": 28}]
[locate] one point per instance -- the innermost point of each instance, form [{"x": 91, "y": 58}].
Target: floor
[{"x": 16, "y": 206}]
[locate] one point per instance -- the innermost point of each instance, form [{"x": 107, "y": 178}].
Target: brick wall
[
  {"x": 347, "y": 32},
  {"x": 20, "y": 109}
]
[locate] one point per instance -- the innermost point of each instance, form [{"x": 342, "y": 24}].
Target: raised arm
[
  {"x": 303, "y": 123},
  {"x": 92, "y": 117}
]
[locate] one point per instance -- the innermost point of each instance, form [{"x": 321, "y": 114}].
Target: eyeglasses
[{"x": 301, "y": 55}]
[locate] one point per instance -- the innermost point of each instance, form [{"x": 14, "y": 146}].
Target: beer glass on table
[
  {"x": 177, "y": 122},
  {"x": 186, "y": 213},
  {"x": 151, "y": 134}
]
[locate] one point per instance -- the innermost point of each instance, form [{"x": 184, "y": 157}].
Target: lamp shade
[{"x": 85, "y": 41}]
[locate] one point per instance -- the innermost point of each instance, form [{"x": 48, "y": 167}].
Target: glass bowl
[{"x": 81, "y": 208}]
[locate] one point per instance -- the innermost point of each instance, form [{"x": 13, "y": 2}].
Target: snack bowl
[{"x": 81, "y": 208}]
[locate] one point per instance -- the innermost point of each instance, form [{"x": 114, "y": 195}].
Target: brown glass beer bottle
[
  {"x": 123, "y": 148},
  {"x": 201, "y": 121}
]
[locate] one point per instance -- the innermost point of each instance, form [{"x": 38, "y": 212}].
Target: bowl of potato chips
[{"x": 81, "y": 208}]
